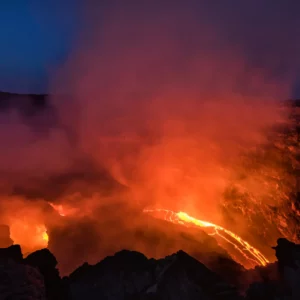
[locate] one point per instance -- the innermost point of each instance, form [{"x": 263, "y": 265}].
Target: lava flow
[
  {"x": 240, "y": 250},
  {"x": 249, "y": 256}
]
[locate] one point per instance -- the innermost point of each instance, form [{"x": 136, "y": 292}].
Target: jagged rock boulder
[
  {"x": 130, "y": 275},
  {"x": 265, "y": 291},
  {"x": 35, "y": 277},
  {"x": 286, "y": 284},
  {"x": 19, "y": 281},
  {"x": 288, "y": 255},
  {"x": 44, "y": 261},
  {"x": 12, "y": 253}
]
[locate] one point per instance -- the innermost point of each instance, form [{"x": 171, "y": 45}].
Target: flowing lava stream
[
  {"x": 249, "y": 253},
  {"x": 248, "y": 256}
]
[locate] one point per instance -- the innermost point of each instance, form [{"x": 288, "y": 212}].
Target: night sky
[{"x": 37, "y": 36}]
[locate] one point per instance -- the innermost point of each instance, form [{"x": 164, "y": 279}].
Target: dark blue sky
[{"x": 36, "y": 36}]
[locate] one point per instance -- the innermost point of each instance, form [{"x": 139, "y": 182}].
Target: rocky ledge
[{"x": 131, "y": 275}]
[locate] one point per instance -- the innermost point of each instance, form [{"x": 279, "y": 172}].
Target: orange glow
[
  {"x": 141, "y": 116},
  {"x": 59, "y": 208},
  {"x": 251, "y": 256},
  {"x": 45, "y": 236},
  {"x": 30, "y": 236},
  {"x": 250, "y": 253}
]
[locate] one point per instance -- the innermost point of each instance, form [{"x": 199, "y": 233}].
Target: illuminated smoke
[{"x": 165, "y": 98}]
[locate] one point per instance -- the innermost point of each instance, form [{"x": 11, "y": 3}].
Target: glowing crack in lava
[
  {"x": 247, "y": 255},
  {"x": 251, "y": 256}
]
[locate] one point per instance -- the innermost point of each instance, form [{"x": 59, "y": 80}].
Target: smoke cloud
[
  {"x": 166, "y": 94},
  {"x": 164, "y": 97}
]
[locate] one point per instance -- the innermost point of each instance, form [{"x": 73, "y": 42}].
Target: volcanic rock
[
  {"x": 126, "y": 275},
  {"x": 288, "y": 255},
  {"x": 12, "y": 253},
  {"x": 130, "y": 275},
  {"x": 44, "y": 261},
  {"x": 286, "y": 285},
  {"x": 20, "y": 282},
  {"x": 265, "y": 291},
  {"x": 275, "y": 167}
]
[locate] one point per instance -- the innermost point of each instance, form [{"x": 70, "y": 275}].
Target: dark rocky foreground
[{"x": 130, "y": 275}]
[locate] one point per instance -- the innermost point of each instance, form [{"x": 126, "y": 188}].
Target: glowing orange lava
[
  {"x": 248, "y": 252},
  {"x": 247, "y": 255}
]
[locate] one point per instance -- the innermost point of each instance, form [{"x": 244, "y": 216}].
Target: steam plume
[{"x": 164, "y": 97}]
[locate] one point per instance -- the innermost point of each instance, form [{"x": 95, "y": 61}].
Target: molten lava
[
  {"x": 249, "y": 256},
  {"x": 239, "y": 249}
]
